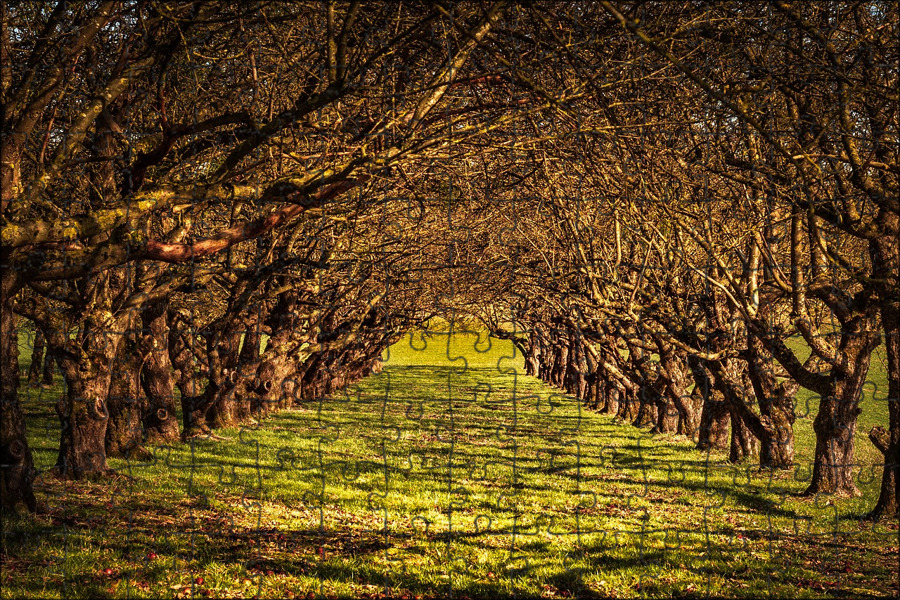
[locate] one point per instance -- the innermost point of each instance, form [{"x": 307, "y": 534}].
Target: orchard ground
[{"x": 450, "y": 472}]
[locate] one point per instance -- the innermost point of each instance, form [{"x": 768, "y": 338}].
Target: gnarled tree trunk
[
  {"x": 160, "y": 418},
  {"x": 835, "y": 422},
  {"x": 226, "y": 408},
  {"x": 276, "y": 367},
  {"x": 714, "y": 415},
  {"x": 887, "y": 265},
  {"x": 776, "y": 407},
  {"x": 83, "y": 412},
  {"x": 47, "y": 377},
  {"x": 190, "y": 372},
  {"x": 37, "y": 358},
  {"x": 688, "y": 411},
  {"x": 532, "y": 356},
  {"x": 125, "y": 403},
  {"x": 16, "y": 464},
  {"x": 728, "y": 378},
  {"x": 611, "y": 395}
]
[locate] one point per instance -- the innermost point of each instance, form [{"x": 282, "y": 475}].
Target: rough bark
[
  {"x": 728, "y": 379},
  {"x": 277, "y": 363},
  {"x": 886, "y": 256},
  {"x": 887, "y": 497},
  {"x": 83, "y": 412},
  {"x": 211, "y": 403},
  {"x": 247, "y": 386},
  {"x": 776, "y": 407},
  {"x": 666, "y": 415},
  {"x": 160, "y": 418},
  {"x": 714, "y": 424},
  {"x": 47, "y": 376},
  {"x": 673, "y": 367},
  {"x": 16, "y": 464},
  {"x": 612, "y": 394},
  {"x": 532, "y": 356},
  {"x": 560, "y": 365},
  {"x": 576, "y": 383},
  {"x": 35, "y": 369},
  {"x": 629, "y": 405},
  {"x": 591, "y": 398},
  {"x": 835, "y": 422},
  {"x": 646, "y": 412},
  {"x": 227, "y": 408},
  {"x": 546, "y": 352},
  {"x": 714, "y": 415},
  {"x": 276, "y": 367},
  {"x": 314, "y": 380},
  {"x": 689, "y": 419},
  {"x": 743, "y": 444},
  {"x": 125, "y": 403},
  {"x": 189, "y": 375}
]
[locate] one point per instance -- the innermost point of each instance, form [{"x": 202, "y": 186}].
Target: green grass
[{"x": 440, "y": 474}]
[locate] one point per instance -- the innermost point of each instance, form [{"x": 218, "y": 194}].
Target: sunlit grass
[{"x": 443, "y": 475}]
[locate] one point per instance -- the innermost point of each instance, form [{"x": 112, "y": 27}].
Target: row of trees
[
  {"x": 203, "y": 197},
  {"x": 754, "y": 202},
  {"x": 249, "y": 204}
]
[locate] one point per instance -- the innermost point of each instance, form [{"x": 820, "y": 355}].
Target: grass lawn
[{"x": 447, "y": 475}]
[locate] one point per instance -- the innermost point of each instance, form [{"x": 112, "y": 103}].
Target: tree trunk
[
  {"x": 574, "y": 382},
  {"x": 278, "y": 363},
  {"x": 629, "y": 405},
  {"x": 160, "y": 418},
  {"x": 532, "y": 357},
  {"x": 35, "y": 369},
  {"x": 276, "y": 367},
  {"x": 10, "y": 164},
  {"x": 776, "y": 407},
  {"x": 743, "y": 443},
  {"x": 835, "y": 422},
  {"x": 88, "y": 362},
  {"x": 729, "y": 380},
  {"x": 886, "y": 443},
  {"x": 688, "y": 413},
  {"x": 194, "y": 411},
  {"x": 247, "y": 369},
  {"x": 612, "y": 394},
  {"x": 714, "y": 417},
  {"x": 646, "y": 414},
  {"x": 560, "y": 366},
  {"x": 83, "y": 416},
  {"x": 193, "y": 394},
  {"x": 714, "y": 421},
  {"x": 16, "y": 464},
  {"x": 666, "y": 415},
  {"x": 225, "y": 409},
  {"x": 887, "y": 265},
  {"x": 47, "y": 379},
  {"x": 124, "y": 434},
  {"x": 690, "y": 410},
  {"x": 198, "y": 398},
  {"x": 314, "y": 378},
  {"x": 547, "y": 360},
  {"x": 590, "y": 399}
]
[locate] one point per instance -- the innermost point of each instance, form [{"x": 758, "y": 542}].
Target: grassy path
[{"x": 427, "y": 479}]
